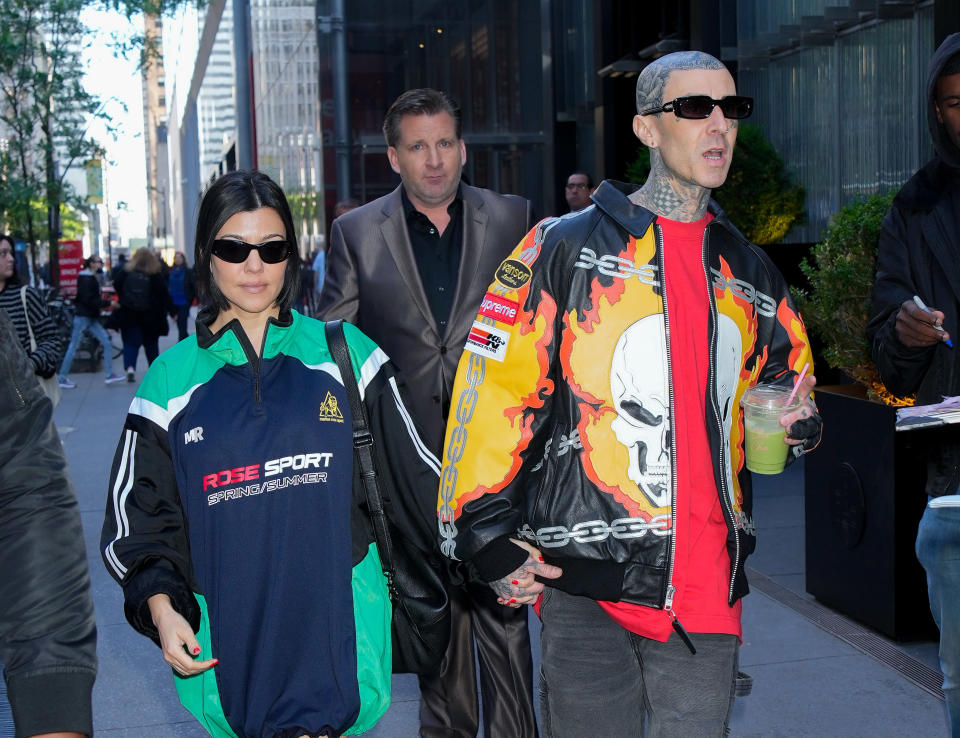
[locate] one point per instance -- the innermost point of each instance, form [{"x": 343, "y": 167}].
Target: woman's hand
[{"x": 177, "y": 641}]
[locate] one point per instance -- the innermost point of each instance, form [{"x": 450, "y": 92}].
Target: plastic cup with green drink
[{"x": 764, "y": 438}]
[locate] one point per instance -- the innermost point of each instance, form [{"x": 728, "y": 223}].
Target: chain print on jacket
[{"x": 466, "y": 405}]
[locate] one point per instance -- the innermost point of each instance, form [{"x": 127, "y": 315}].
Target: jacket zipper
[
  {"x": 711, "y": 388},
  {"x": 671, "y": 590},
  {"x": 253, "y": 358}
]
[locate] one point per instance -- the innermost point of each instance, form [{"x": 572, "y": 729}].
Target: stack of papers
[{"x": 920, "y": 416}]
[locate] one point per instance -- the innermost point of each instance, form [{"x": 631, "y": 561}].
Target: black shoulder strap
[{"x": 363, "y": 447}]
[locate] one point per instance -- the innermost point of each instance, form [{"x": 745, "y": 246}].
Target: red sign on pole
[{"x": 71, "y": 260}]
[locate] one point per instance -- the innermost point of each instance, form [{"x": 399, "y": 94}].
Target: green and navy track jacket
[{"x": 233, "y": 491}]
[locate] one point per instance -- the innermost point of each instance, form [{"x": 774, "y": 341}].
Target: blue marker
[{"x": 916, "y": 299}]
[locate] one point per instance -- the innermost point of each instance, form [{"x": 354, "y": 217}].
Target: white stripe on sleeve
[
  {"x": 422, "y": 450},
  {"x": 121, "y": 488}
]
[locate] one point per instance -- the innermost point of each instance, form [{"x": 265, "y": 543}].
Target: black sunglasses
[
  {"x": 698, "y": 107},
  {"x": 236, "y": 252}
]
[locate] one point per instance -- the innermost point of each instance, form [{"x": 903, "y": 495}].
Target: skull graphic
[
  {"x": 729, "y": 358},
  {"x": 638, "y": 381}
]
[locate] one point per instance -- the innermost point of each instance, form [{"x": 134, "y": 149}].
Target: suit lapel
[
  {"x": 394, "y": 232},
  {"x": 474, "y": 232}
]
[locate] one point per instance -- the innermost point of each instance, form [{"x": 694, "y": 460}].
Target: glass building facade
[
  {"x": 287, "y": 109},
  {"x": 217, "y": 104},
  {"x": 487, "y": 54},
  {"x": 317, "y": 77},
  {"x": 840, "y": 96}
]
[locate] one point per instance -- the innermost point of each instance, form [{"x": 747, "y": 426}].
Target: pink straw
[{"x": 803, "y": 373}]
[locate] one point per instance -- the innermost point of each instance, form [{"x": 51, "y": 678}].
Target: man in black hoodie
[{"x": 918, "y": 254}]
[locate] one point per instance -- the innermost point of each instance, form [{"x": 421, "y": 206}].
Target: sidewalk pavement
[{"x": 806, "y": 681}]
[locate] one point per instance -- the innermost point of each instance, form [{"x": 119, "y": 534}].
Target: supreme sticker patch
[
  {"x": 487, "y": 341},
  {"x": 499, "y": 308}
]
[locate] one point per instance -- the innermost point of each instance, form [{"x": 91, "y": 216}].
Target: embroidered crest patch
[{"x": 329, "y": 409}]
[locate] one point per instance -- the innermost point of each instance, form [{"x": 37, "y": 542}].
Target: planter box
[{"x": 864, "y": 496}]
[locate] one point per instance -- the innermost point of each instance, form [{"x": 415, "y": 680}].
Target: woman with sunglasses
[{"x": 232, "y": 521}]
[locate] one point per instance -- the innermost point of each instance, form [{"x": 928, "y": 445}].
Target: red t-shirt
[{"x": 701, "y": 572}]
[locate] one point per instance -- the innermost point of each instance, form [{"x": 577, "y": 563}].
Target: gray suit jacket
[{"x": 372, "y": 281}]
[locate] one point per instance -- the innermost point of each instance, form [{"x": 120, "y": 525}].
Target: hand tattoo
[{"x": 509, "y": 588}]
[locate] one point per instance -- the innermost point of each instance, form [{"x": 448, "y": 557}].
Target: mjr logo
[{"x": 271, "y": 468}]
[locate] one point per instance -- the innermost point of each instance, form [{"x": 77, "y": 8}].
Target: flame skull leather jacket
[{"x": 559, "y": 429}]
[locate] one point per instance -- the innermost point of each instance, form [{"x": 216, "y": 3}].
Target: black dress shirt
[{"x": 437, "y": 256}]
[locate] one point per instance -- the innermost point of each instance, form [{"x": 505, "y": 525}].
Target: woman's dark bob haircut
[
  {"x": 241, "y": 192},
  {"x": 14, "y": 279}
]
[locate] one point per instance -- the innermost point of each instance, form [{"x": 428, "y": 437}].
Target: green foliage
[
  {"x": 71, "y": 225},
  {"x": 639, "y": 169},
  {"x": 304, "y": 204},
  {"x": 759, "y": 195},
  {"x": 45, "y": 111},
  {"x": 841, "y": 277}
]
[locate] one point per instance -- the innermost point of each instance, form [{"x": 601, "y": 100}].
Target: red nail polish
[
  {"x": 514, "y": 581},
  {"x": 541, "y": 558},
  {"x": 196, "y": 650},
  {"x": 512, "y": 601},
  {"x": 216, "y": 661}
]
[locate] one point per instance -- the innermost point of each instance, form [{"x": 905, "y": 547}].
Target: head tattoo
[{"x": 653, "y": 79}]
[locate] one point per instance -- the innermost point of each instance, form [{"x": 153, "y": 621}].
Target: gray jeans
[{"x": 596, "y": 678}]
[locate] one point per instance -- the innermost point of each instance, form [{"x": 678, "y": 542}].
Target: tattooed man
[{"x": 594, "y": 463}]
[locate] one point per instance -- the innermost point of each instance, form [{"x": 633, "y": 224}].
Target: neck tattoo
[{"x": 665, "y": 194}]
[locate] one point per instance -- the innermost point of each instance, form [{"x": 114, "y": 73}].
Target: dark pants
[
  {"x": 448, "y": 702},
  {"x": 599, "y": 679},
  {"x": 183, "y": 313},
  {"x": 133, "y": 338}
]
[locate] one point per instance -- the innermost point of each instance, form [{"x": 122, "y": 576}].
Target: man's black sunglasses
[
  {"x": 236, "y": 252},
  {"x": 697, "y": 107}
]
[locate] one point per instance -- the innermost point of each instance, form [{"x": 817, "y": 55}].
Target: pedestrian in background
[
  {"x": 87, "y": 305},
  {"x": 917, "y": 254},
  {"x": 35, "y": 319},
  {"x": 320, "y": 258},
  {"x": 164, "y": 267},
  {"x": 48, "y": 637},
  {"x": 115, "y": 269},
  {"x": 410, "y": 270},
  {"x": 144, "y": 305},
  {"x": 182, "y": 292},
  {"x": 232, "y": 522},
  {"x": 577, "y": 191},
  {"x": 305, "y": 303}
]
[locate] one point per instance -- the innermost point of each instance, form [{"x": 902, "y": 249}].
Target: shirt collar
[{"x": 410, "y": 211}]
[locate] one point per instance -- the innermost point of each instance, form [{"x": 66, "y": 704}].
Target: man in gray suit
[{"x": 410, "y": 270}]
